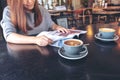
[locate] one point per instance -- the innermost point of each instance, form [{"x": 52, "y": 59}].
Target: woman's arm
[
  {"x": 22, "y": 39},
  {"x": 50, "y": 23}
]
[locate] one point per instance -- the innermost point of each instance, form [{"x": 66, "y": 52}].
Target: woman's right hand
[{"x": 43, "y": 40}]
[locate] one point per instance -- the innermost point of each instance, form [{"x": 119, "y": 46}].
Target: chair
[
  {"x": 84, "y": 14},
  {"x": 62, "y": 22},
  {"x": 55, "y": 16},
  {"x": 70, "y": 18},
  {"x": 99, "y": 15},
  {"x": 78, "y": 16},
  {"x": 87, "y": 14},
  {"x": 102, "y": 18},
  {"x": 3, "y": 4},
  {"x": 0, "y": 12}
]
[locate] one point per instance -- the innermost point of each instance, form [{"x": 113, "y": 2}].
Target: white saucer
[
  {"x": 116, "y": 37},
  {"x": 73, "y": 57}
]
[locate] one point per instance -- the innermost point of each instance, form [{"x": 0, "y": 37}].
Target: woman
[{"x": 22, "y": 18}]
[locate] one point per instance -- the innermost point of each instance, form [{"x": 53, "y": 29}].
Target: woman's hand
[
  {"x": 43, "y": 40},
  {"x": 62, "y": 29}
]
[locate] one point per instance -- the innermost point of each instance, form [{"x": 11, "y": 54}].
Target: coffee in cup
[
  {"x": 72, "y": 46},
  {"x": 106, "y": 33}
]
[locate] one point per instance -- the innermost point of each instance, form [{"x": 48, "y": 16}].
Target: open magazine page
[
  {"x": 55, "y": 35},
  {"x": 59, "y": 37}
]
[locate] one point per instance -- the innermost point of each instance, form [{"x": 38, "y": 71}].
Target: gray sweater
[{"x": 8, "y": 27}]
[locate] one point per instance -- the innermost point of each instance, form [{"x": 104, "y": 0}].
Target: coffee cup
[
  {"x": 106, "y": 33},
  {"x": 72, "y": 46}
]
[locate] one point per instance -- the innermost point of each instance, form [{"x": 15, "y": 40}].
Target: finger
[
  {"x": 46, "y": 39},
  {"x": 67, "y": 30},
  {"x": 50, "y": 41},
  {"x": 63, "y": 30}
]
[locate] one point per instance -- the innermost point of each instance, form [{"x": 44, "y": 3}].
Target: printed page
[{"x": 55, "y": 35}]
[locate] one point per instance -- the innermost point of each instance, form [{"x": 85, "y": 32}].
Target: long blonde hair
[{"x": 18, "y": 16}]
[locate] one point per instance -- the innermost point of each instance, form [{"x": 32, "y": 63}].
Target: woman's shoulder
[{"x": 6, "y": 10}]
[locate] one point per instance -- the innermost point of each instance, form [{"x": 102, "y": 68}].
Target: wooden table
[{"x": 32, "y": 62}]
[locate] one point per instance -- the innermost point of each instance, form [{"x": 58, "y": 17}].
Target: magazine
[
  {"x": 58, "y": 37},
  {"x": 55, "y": 35}
]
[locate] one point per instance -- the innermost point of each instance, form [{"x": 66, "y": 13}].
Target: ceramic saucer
[
  {"x": 116, "y": 37},
  {"x": 81, "y": 54}
]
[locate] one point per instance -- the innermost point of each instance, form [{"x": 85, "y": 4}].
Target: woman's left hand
[{"x": 62, "y": 29}]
